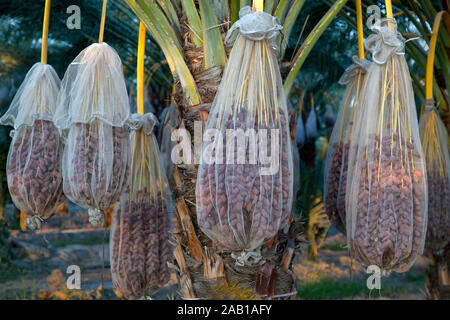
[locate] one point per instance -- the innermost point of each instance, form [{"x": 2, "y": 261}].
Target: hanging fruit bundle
[
  {"x": 336, "y": 161},
  {"x": 33, "y": 166},
  {"x": 386, "y": 201},
  {"x": 434, "y": 139},
  {"x": 92, "y": 111},
  {"x": 34, "y": 159},
  {"x": 243, "y": 200},
  {"x": 140, "y": 247}
]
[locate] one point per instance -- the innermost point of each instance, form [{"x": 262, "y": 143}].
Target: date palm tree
[{"x": 191, "y": 34}]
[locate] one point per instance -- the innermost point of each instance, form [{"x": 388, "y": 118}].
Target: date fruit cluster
[
  {"x": 237, "y": 205},
  {"x": 390, "y": 213},
  {"x": 34, "y": 168},
  {"x": 337, "y": 184},
  {"x": 96, "y": 164},
  {"x": 438, "y": 210},
  {"x": 140, "y": 245}
]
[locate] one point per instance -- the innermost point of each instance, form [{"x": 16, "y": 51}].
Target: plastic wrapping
[
  {"x": 434, "y": 137},
  {"x": 33, "y": 164},
  {"x": 336, "y": 161},
  {"x": 92, "y": 110},
  {"x": 142, "y": 224},
  {"x": 244, "y": 189},
  {"x": 386, "y": 201}
]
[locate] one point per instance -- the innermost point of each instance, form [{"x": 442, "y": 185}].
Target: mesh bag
[
  {"x": 386, "y": 201},
  {"x": 33, "y": 164},
  {"x": 434, "y": 137},
  {"x": 93, "y": 88},
  {"x": 92, "y": 111},
  {"x": 142, "y": 222},
  {"x": 336, "y": 161},
  {"x": 244, "y": 199}
]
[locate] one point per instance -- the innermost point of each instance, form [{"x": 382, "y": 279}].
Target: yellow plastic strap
[
  {"x": 102, "y": 23},
  {"x": 430, "y": 58},
  {"x": 23, "y": 221},
  {"x": 359, "y": 23},
  {"x": 258, "y": 5},
  {"x": 389, "y": 11},
  {"x": 45, "y": 32},
  {"x": 140, "y": 69}
]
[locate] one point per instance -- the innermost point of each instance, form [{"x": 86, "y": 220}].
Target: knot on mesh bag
[
  {"x": 34, "y": 222},
  {"x": 430, "y": 105},
  {"x": 353, "y": 70},
  {"x": 385, "y": 41},
  {"x": 147, "y": 122},
  {"x": 255, "y": 26},
  {"x": 95, "y": 216}
]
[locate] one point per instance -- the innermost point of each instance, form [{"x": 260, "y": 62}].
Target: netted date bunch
[
  {"x": 337, "y": 184},
  {"x": 438, "y": 234},
  {"x": 238, "y": 207},
  {"x": 140, "y": 246},
  {"x": 96, "y": 164},
  {"x": 34, "y": 168},
  {"x": 390, "y": 220}
]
